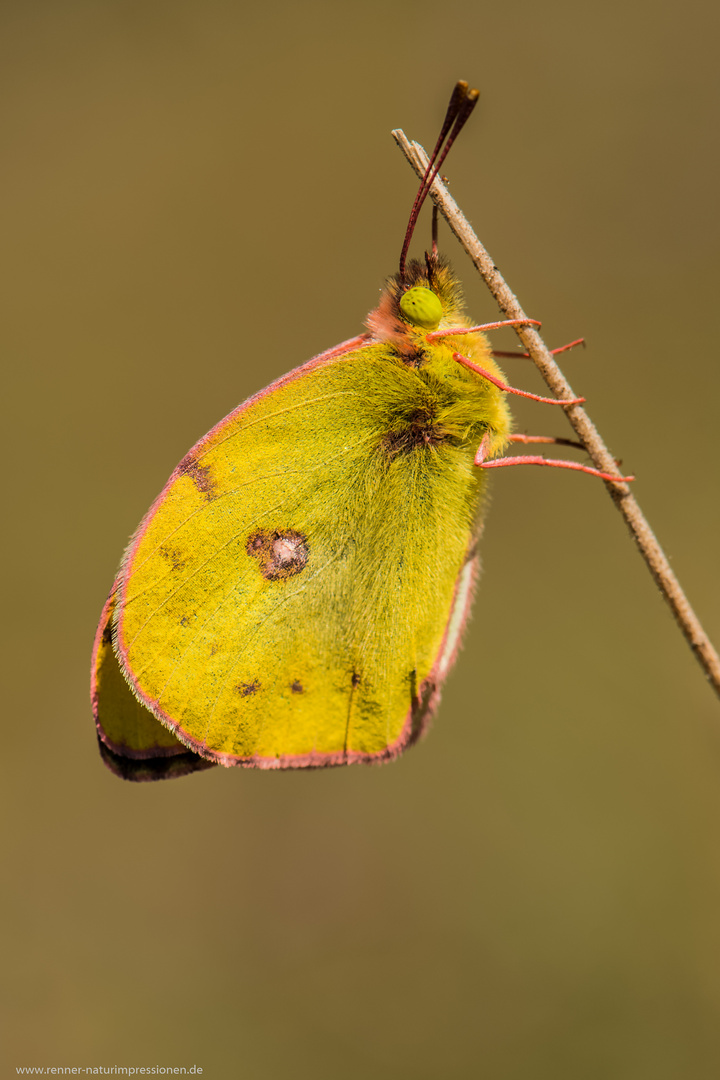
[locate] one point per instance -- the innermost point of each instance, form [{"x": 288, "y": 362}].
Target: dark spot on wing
[
  {"x": 355, "y": 680},
  {"x": 176, "y": 558},
  {"x": 296, "y": 687},
  {"x": 200, "y": 475},
  {"x": 281, "y": 554},
  {"x": 246, "y": 689}
]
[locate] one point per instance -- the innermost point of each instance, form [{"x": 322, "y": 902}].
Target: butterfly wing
[
  {"x": 133, "y": 743},
  {"x": 295, "y": 595}
]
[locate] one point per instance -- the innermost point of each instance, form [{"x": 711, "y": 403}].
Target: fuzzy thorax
[{"x": 389, "y": 326}]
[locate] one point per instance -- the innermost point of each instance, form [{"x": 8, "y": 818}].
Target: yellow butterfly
[{"x": 296, "y": 594}]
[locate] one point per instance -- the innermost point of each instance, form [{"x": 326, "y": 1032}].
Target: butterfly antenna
[{"x": 462, "y": 102}]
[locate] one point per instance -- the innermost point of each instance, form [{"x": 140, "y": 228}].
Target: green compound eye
[{"x": 421, "y": 307}]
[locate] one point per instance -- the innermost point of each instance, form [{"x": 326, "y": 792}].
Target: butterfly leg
[
  {"x": 511, "y": 389},
  {"x": 437, "y": 334},
  {"x": 525, "y": 439},
  {"x": 526, "y": 356},
  {"x": 533, "y": 459}
]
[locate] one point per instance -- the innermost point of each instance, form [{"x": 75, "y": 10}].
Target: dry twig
[{"x": 587, "y": 432}]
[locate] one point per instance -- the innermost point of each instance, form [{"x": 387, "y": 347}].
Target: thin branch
[{"x": 587, "y": 432}]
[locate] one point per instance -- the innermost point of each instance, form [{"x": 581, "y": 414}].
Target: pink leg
[
  {"x": 436, "y": 334},
  {"x": 563, "y": 348},
  {"x": 531, "y": 459},
  {"x": 511, "y": 389},
  {"x": 525, "y": 439}
]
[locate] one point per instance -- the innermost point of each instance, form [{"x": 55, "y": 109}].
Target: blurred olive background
[{"x": 197, "y": 197}]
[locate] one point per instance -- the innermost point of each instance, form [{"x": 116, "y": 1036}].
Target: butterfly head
[
  {"x": 421, "y": 307},
  {"x": 428, "y": 297}
]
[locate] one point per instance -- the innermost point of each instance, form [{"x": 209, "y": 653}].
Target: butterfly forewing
[{"x": 287, "y": 597}]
